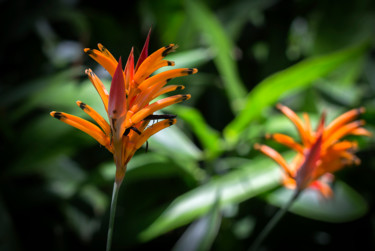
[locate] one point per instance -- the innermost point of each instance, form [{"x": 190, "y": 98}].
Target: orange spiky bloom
[
  {"x": 320, "y": 153},
  {"x": 128, "y": 102}
]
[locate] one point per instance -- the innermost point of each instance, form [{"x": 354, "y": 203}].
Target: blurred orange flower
[
  {"x": 128, "y": 102},
  {"x": 320, "y": 153}
]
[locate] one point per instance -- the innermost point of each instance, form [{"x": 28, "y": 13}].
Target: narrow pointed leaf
[{"x": 223, "y": 47}]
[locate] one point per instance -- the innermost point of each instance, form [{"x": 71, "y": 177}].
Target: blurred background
[{"x": 201, "y": 185}]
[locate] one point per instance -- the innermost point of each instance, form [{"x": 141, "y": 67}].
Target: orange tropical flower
[
  {"x": 128, "y": 102},
  {"x": 320, "y": 153}
]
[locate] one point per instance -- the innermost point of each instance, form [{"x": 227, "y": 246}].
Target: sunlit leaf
[{"x": 346, "y": 205}]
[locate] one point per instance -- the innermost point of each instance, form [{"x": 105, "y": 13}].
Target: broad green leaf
[
  {"x": 222, "y": 47},
  {"x": 291, "y": 79},
  {"x": 208, "y": 137},
  {"x": 253, "y": 178},
  {"x": 346, "y": 204}
]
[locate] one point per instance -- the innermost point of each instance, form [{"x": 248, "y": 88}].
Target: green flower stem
[
  {"x": 273, "y": 222},
  {"x": 116, "y": 188}
]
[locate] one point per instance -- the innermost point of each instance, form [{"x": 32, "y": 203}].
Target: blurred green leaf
[
  {"x": 84, "y": 225},
  {"x": 175, "y": 143},
  {"x": 189, "y": 59},
  {"x": 345, "y": 95},
  {"x": 253, "y": 178},
  {"x": 223, "y": 48},
  {"x": 208, "y": 137},
  {"x": 201, "y": 234},
  {"x": 346, "y": 204},
  {"x": 291, "y": 79}
]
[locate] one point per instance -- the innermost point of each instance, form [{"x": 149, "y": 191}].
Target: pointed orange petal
[
  {"x": 308, "y": 130},
  {"x": 344, "y": 145},
  {"x": 296, "y": 121},
  {"x": 287, "y": 141},
  {"x": 361, "y": 131},
  {"x": 341, "y": 132},
  {"x": 166, "y": 75},
  {"x": 148, "y": 110},
  {"x": 152, "y": 130},
  {"x": 103, "y": 57},
  {"x": 95, "y": 116},
  {"x": 275, "y": 156},
  {"x": 84, "y": 126},
  {"x": 152, "y": 63},
  {"x": 99, "y": 87},
  {"x": 166, "y": 89},
  {"x": 343, "y": 119}
]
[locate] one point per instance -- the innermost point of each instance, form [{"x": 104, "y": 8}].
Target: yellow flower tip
[
  {"x": 88, "y": 72},
  {"x": 357, "y": 161},
  {"x": 279, "y": 106},
  {"x": 101, "y": 47},
  {"x": 185, "y": 97},
  {"x": 169, "y": 49},
  {"x": 172, "y": 121},
  {"x": 91, "y": 52},
  {"x": 268, "y": 136},
  {"x": 361, "y": 110},
  {"x": 257, "y": 146},
  {"x": 189, "y": 71},
  {"x": 57, "y": 115},
  {"x": 81, "y": 104}
]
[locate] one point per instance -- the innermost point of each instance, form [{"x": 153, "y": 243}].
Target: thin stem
[
  {"x": 116, "y": 188},
  {"x": 273, "y": 222}
]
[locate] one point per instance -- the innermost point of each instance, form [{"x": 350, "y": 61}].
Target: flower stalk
[
  {"x": 274, "y": 221},
  {"x": 112, "y": 213}
]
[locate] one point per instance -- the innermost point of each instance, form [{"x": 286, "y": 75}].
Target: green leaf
[
  {"x": 346, "y": 204},
  {"x": 291, "y": 79},
  {"x": 208, "y": 137},
  {"x": 175, "y": 143},
  {"x": 188, "y": 59},
  {"x": 223, "y": 48},
  {"x": 253, "y": 178},
  {"x": 201, "y": 234}
]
